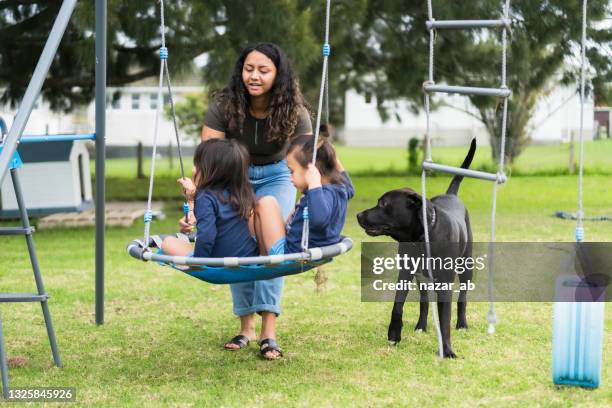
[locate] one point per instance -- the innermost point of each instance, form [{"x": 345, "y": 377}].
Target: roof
[
  {"x": 45, "y": 152},
  {"x": 188, "y": 76}
]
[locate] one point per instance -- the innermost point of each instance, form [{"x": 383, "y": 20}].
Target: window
[
  {"x": 153, "y": 101},
  {"x": 135, "y": 101},
  {"x": 166, "y": 99}
]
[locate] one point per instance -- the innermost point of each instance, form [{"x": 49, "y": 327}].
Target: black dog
[{"x": 399, "y": 215}]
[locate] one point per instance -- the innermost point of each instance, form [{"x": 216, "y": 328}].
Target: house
[
  {"x": 130, "y": 117},
  {"x": 602, "y": 119},
  {"x": 55, "y": 178},
  {"x": 556, "y": 119}
]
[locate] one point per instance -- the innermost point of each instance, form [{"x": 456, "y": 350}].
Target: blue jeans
[{"x": 265, "y": 296}]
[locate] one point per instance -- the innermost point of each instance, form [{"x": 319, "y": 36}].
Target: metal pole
[
  {"x": 33, "y": 90},
  {"x": 3, "y": 129},
  {"x": 3, "y": 365},
  {"x": 100, "y": 153},
  {"x": 433, "y": 24},
  {"x": 468, "y": 90},
  {"x": 55, "y": 138},
  {"x": 36, "y": 268},
  {"x": 458, "y": 171}
]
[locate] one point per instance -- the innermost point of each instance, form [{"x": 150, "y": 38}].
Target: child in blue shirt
[
  {"x": 222, "y": 201},
  {"x": 326, "y": 190}
]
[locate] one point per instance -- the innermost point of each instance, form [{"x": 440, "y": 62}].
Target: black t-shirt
[{"x": 255, "y": 134}]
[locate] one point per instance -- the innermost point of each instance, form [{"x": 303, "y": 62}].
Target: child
[
  {"x": 326, "y": 190},
  {"x": 222, "y": 201}
]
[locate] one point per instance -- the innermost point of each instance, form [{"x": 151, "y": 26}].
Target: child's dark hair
[
  {"x": 302, "y": 146},
  {"x": 223, "y": 164}
]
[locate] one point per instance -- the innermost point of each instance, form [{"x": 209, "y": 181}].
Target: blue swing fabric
[
  {"x": 235, "y": 270},
  {"x": 249, "y": 273}
]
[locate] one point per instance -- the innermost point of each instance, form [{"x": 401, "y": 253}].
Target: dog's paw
[
  {"x": 461, "y": 324},
  {"x": 421, "y": 326},
  {"x": 449, "y": 354},
  {"x": 394, "y": 335}
]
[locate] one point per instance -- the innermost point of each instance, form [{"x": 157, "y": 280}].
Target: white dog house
[{"x": 55, "y": 178}]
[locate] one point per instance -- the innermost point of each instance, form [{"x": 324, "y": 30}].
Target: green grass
[
  {"x": 161, "y": 344},
  {"x": 535, "y": 160},
  {"x": 541, "y": 160}
]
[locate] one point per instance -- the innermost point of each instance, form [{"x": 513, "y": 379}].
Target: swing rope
[
  {"x": 580, "y": 213},
  {"x": 326, "y": 50},
  {"x": 424, "y": 178},
  {"x": 163, "y": 69},
  {"x": 491, "y": 317}
]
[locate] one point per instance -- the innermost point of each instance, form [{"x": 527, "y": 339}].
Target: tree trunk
[
  {"x": 520, "y": 110},
  {"x": 170, "y": 155},
  {"x": 139, "y": 155}
]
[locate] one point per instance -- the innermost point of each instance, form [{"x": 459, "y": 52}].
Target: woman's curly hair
[{"x": 286, "y": 102}]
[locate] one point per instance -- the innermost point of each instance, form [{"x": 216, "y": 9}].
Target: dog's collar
[{"x": 433, "y": 216}]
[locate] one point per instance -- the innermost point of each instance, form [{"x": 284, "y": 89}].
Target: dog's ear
[{"x": 415, "y": 201}]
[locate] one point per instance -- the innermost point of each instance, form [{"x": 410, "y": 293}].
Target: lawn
[
  {"x": 161, "y": 344},
  {"x": 542, "y": 160}
]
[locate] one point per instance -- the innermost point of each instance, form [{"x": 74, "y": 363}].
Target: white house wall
[
  {"x": 124, "y": 126},
  {"x": 556, "y": 116},
  {"x": 42, "y": 120}
]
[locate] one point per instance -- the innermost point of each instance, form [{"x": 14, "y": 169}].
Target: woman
[{"x": 262, "y": 107}]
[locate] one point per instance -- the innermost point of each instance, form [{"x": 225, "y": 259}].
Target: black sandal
[
  {"x": 267, "y": 345},
  {"x": 239, "y": 340}
]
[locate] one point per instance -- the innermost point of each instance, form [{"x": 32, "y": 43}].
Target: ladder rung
[
  {"x": 16, "y": 231},
  {"x": 458, "y": 171},
  {"x": 22, "y": 297},
  {"x": 431, "y": 24},
  {"x": 468, "y": 90}
]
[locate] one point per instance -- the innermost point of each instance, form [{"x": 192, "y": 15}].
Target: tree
[
  {"x": 190, "y": 114},
  {"x": 392, "y": 60},
  {"x": 378, "y": 47},
  {"x": 218, "y": 28},
  {"x": 298, "y": 27},
  {"x": 133, "y": 45}
]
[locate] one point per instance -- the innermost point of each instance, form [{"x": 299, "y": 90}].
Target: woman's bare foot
[
  {"x": 246, "y": 334},
  {"x": 267, "y": 338},
  {"x": 269, "y": 349}
]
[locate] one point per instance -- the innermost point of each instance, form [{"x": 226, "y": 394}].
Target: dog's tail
[{"x": 453, "y": 188}]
